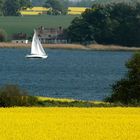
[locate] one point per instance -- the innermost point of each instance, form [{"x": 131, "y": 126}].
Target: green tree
[
  {"x": 24, "y": 4},
  {"x": 81, "y": 3},
  {"x": 38, "y": 2},
  {"x": 56, "y": 6},
  {"x": 126, "y": 17},
  {"x": 94, "y": 24},
  {"x": 3, "y": 35},
  {"x": 99, "y": 18},
  {"x": 127, "y": 90},
  {"x": 80, "y": 31},
  {"x": 12, "y": 7},
  {"x": 1, "y": 5},
  {"x": 111, "y": 24}
]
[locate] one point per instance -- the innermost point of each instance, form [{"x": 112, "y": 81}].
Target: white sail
[{"x": 36, "y": 48}]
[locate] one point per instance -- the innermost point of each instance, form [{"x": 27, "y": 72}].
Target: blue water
[{"x": 86, "y": 75}]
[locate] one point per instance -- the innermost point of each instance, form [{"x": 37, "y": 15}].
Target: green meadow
[{"x": 26, "y": 24}]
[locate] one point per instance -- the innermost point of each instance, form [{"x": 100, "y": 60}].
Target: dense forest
[
  {"x": 84, "y": 3},
  {"x": 115, "y": 1},
  {"x": 12, "y": 7},
  {"x": 107, "y": 24}
]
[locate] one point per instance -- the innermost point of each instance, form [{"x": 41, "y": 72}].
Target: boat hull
[{"x": 36, "y": 56}]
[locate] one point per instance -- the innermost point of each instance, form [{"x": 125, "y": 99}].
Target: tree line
[
  {"x": 13, "y": 7},
  {"x": 69, "y": 3},
  {"x": 107, "y": 24},
  {"x": 83, "y": 3}
]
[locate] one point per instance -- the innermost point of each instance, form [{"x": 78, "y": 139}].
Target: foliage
[
  {"x": 11, "y": 95},
  {"x": 80, "y": 31},
  {"x": 38, "y": 2},
  {"x": 24, "y": 4},
  {"x": 12, "y": 7},
  {"x": 81, "y": 3},
  {"x": 127, "y": 90},
  {"x": 76, "y": 3},
  {"x": 111, "y": 24},
  {"x": 84, "y": 3},
  {"x": 57, "y": 7},
  {"x": 104, "y": 2},
  {"x": 3, "y": 35},
  {"x": 1, "y": 5}
]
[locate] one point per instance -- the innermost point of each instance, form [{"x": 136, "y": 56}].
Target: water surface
[{"x": 85, "y": 75}]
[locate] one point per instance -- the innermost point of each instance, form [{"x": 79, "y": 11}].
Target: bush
[
  {"x": 127, "y": 90},
  {"x": 11, "y": 95},
  {"x": 3, "y": 35}
]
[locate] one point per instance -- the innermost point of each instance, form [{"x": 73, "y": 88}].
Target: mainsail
[{"x": 37, "y": 48}]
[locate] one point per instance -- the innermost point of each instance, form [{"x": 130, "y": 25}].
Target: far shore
[{"x": 97, "y": 47}]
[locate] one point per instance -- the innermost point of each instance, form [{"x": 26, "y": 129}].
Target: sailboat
[{"x": 37, "y": 50}]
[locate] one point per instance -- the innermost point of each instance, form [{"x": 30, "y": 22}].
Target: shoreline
[{"x": 92, "y": 47}]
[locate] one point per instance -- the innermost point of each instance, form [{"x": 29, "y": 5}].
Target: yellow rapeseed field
[
  {"x": 54, "y": 99},
  {"x": 34, "y": 11},
  {"x": 40, "y": 10},
  {"x": 69, "y": 123},
  {"x": 37, "y": 9},
  {"x": 30, "y": 13},
  {"x": 76, "y": 10}
]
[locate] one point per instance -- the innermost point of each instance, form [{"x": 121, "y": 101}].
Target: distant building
[
  {"x": 51, "y": 35},
  {"x": 20, "y": 41},
  {"x": 19, "y": 38}
]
